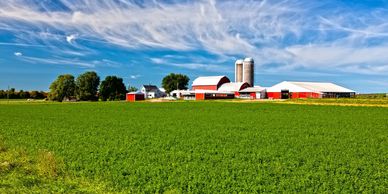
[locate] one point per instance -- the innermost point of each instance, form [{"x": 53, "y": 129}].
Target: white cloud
[
  {"x": 70, "y": 38},
  {"x": 18, "y": 54},
  {"x": 60, "y": 61},
  {"x": 288, "y": 33},
  {"x": 135, "y": 76}
]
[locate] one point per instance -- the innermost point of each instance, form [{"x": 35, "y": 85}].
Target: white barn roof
[
  {"x": 254, "y": 89},
  {"x": 212, "y": 92},
  {"x": 207, "y": 81},
  {"x": 137, "y": 92},
  {"x": 318, "y": 87},
  {"x": 231, "y": 86}
]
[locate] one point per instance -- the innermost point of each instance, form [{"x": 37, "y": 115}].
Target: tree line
[
  {"x": 13, "y": 94},
  {"x": 87, "y": 87}
]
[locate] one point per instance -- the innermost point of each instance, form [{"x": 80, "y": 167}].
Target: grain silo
[
  {"x": 248, "y": 71},
  {"x": 238, "y": 70}
]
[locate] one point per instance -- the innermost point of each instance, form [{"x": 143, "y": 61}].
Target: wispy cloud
[{"x": 290, "y": 34}]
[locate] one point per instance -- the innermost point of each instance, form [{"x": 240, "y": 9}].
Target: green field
[{"x": 199, "y": 147}]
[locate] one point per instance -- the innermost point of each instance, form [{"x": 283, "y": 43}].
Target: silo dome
[
  {"x": 239, "y": 61},
  {"x": 249, "y": 59}
]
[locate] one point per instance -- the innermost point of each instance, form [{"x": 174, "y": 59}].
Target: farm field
[{"x": 198, "y": 147}]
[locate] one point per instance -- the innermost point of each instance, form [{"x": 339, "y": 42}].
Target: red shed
[{"x": 134, "y": 96}]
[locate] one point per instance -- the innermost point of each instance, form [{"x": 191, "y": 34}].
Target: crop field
[{"x": 192, "y": 147}]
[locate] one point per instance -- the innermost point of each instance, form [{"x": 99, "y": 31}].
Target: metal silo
[
  {"x": 248, "y": 72},
  {"x": 238, "y": 70}
]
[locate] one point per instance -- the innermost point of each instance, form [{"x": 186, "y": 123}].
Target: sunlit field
[{"x": 199, "y": 147}]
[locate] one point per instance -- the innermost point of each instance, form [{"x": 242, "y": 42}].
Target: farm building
[
  {"x": 287, "y": 89},
  {"x": 151, "y": 91},
  {"x": 234, "y": 87},
  {"x": 256, "y": 92},
  {"x": 212, "y": 94},
  {"x": 220, "y": 87},
  {"x": 134, "y": 96},
  {"x": 209, "y": 82}
]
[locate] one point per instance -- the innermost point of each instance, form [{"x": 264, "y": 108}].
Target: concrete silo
[
  {"x": 248, "y": 71},
  {"x": 238, "y": 70}
]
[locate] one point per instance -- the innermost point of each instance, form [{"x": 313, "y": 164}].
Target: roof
[
  {"x": 212, "y": 92},
  {"x": 232, "y": 86},
  {"x": 318, "y": 87},
  {"x": 248, "y": 59},
  {"x": 149, "y": 88},
  {"x": 239, "y": 61},
  {"x": 208, "y": 80},
  {"x": 254, "y": 89},
  {"x": 138, "y": 92}
]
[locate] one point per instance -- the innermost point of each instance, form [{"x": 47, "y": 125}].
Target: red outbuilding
[{"x": 134, "y": 96}]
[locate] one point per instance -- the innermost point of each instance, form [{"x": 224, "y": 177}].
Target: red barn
[
  {"x": 209, "y": 83},
  {"x": 210, "y": 94},
  {"x": 134, "y": 96}
]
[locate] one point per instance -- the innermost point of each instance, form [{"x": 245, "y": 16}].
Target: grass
[{"x": 199, "y": 147}]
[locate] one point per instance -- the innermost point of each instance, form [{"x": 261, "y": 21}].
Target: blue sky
[{"x": 345, "y": 42}]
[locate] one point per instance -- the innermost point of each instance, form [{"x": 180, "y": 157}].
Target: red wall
[
  {"x": 214, "y": 87},
  {"x": 274, "y": 95},
  {"x": 294, "y": 95},
  {"x": 134, "y": 97},
  {"x": 253, "y": 95},
  {"x": 199, "y": 96}
]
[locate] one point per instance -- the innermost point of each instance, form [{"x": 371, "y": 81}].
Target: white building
[{"x": 151, "y": 91}]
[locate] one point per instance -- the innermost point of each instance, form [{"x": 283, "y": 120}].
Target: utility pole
[{"x": 8, "y": 95}]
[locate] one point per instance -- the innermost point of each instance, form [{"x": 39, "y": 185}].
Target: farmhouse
[{"x": 151, "y": 91}]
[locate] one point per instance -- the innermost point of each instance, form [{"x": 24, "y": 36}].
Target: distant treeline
[
  {"x": 13, "y": 94},
  {"x": 371, "y": 96}
]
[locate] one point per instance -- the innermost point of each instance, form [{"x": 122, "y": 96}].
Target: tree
[
  {"x": 132, "y": 89},
  {"x": 112, "y": 88},
  {"x": 24, "y": 94},
  {"x": 63, "y": 87},
  {"x": 175, "y": 82},
  {"x": 87, "y": 86},
  {"x": 37, "y": 95}
]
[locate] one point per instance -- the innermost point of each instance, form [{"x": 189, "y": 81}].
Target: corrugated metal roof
[
  {"x": 207, "y": 81},
  {"x": 231, "y": 87},
  {"x": 318, "y": 87},
  {"x": 254, "y": 89}
]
